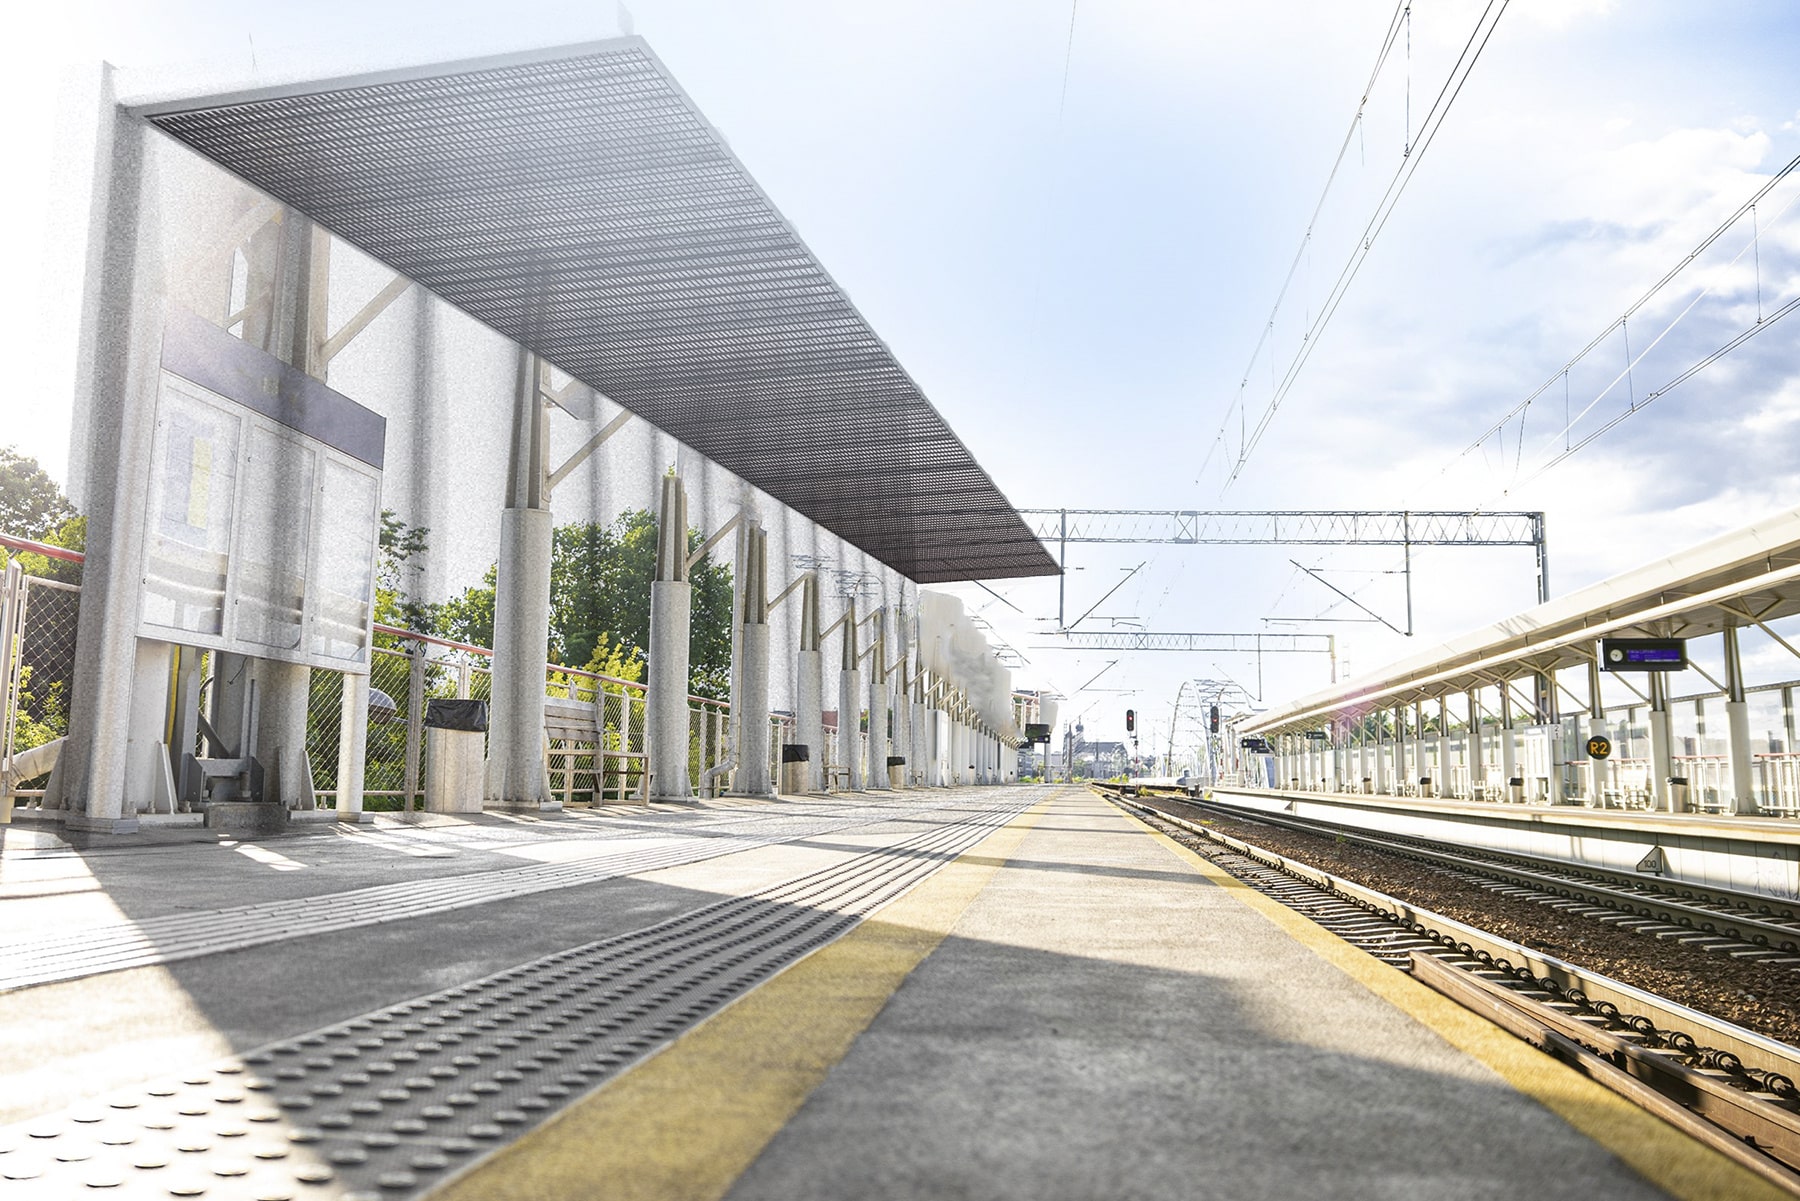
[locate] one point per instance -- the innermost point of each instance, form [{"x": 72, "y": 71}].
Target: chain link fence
[
  {"x": 38, "y": 617},
  {"x": 597, "y": 757}
]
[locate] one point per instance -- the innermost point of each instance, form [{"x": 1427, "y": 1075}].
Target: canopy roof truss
[{"x": 576, "y": 201}]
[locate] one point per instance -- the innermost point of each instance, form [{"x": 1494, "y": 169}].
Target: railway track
[
  {"x": 1730, "y": 1087},
  {"x": 1727, "y": 921}
]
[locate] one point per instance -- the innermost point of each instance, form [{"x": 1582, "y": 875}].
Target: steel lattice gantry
[
  {"x": 576, "y": 201},
  {"x": 1196, "y": 527}
]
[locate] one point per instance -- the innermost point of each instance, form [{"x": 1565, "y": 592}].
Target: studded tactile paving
[
  {"x": 391, "y": 1103},
  {"x": 43, "y": 959}
]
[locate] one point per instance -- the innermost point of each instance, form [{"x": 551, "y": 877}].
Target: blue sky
[{"x": 1077, "y": 278}]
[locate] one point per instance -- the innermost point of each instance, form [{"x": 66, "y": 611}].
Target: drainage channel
[
  {"x": 391, "y": 1103},
  {"x": 117, "y": 947}
]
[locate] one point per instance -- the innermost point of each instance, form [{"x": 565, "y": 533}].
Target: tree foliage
[
  {"x": 31, "y": 503},
  {"x": 600, "y": 604}
]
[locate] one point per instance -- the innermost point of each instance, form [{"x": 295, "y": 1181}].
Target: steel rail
[
  {"x": 1722, "y": 920},
  {"x": 1713, "y": 1043}
]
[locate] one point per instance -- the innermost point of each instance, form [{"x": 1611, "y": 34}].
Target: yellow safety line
[
  {"x": 688, "y": 1121},
  {"x": 1660, "y": 1153}
]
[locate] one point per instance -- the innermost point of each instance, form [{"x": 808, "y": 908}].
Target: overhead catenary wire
[
  {"x": 1414, "y": 154},
  {"x": 1518, "y": 410}
]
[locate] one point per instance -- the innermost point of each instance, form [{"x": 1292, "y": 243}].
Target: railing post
[{"x": 415, "y": 721}]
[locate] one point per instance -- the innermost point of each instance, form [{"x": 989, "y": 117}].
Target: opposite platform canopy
[{"x": 576, "y": 201}]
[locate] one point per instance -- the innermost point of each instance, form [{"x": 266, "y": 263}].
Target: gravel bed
[{"x": 1758, "y": 997}]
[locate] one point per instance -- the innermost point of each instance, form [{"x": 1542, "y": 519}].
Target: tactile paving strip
[
  {"x": 393, "y": 1102},
  {"x": 73, "y": 955}
]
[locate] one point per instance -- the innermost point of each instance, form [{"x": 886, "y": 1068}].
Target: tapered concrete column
[
  {"x": 1737, "y": 727},
  {"x": 671, "y": 615},
  {"x": 878, "y": 704},
  {"x": 916, "y": 771},
  {"x": 809, "y": 686},
  {"x": 850, "y": 701},
  {"x": 117, "y": 376},
  {"x": 750, "y": 706},
  {"x": 517, "y": 774},
  {"x": 903, "y": 709}
]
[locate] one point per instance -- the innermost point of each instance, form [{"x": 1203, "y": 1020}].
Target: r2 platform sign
[
  {"x": 1643, "y": 654},
  {"x": 1599, "y": 747}
]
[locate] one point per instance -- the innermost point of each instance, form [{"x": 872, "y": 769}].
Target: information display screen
[{"x": 1643, "y": 654}]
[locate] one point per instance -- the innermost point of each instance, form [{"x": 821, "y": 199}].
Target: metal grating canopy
[{"x": 577, "y": 202}]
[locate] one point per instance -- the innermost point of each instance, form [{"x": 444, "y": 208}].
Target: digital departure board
[{"x": 1643, "y": 654}]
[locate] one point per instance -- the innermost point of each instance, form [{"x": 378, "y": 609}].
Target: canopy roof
[
  {"x": 1748, "y": 577},
  {"x": 576, "y": 201}
]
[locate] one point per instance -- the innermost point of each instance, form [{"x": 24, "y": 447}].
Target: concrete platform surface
[{"x": 1003, "y": 992}]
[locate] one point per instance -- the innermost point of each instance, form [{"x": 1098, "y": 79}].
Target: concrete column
[
  {"x": 903, "y": 710},
  {"x": 666, "y": 732},
  {"x": 516, "y": 775},
  {"x": 1737, "y": 725},
  {"x": 850, "y": 701},
  {"x": 118, "y": 374},
  {"x": 1402, "y": 762},
  {"x": 1509, "y": 746},
  {"x": 750, "y": 704},
  {"x": 809, "y": 694},
  {"x": 918, "y": 721},
  {"x": 1598, "y": 770},
  {"x": 1661, "y": 764},
  {"x": 1440, "y": 777},
  {"x": 353, "y": 746},
  {"x": 878, "y": 704},
  {"x": 1477, "y": 744},
  {"x": 1383, "y": 779}
]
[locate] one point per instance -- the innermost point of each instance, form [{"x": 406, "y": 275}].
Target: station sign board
[
  {"x": 1258, "y": 746},
  {"x": 1037, "y": 731},
  {"x": 1599, "y": 747},
  {"x": 264, "y": 509},
  {"x": 1317, "y": 735},
  {"x": 1643, "y": 654}
]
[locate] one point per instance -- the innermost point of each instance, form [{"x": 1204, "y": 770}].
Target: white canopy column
[
  {"x": 750, "y": 704},
  {"x": 809, "y": 686},
  {"x": 879, "y": 687},
  {"x": 850, "y": 702},
  {"x": 671, "y": 615},
  {"x": 516, "y": 772}
]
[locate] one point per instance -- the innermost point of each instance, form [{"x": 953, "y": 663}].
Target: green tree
[
  {"x": 31, "y": 503},
  {"x": 400, "y": 544},
  {"x": 600, "y": 598}
]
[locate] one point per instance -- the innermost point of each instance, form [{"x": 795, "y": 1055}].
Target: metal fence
[
  {"x": 37, "y": 666},
  {"x": 597, "y": 758}
]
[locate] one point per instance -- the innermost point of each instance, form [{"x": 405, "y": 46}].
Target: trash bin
[
  {"x": 1424, "y": 785},
  {"x": 1678, "y": 794},
  {"x": 1368, "y": 784},
  {"x": 1515, "y": 789},
  {"x": 896, "y": 766},
  {"x": 795, "y": 758},
  {"x": 455, "y": 745}
]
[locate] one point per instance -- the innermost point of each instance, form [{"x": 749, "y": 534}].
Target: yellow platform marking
[
  {"x": 688, "y": 1121},
  {"x": 1660, "y": 1153}
]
